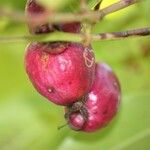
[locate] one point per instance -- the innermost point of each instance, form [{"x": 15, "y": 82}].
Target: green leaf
[{"x": 22, "y": 125}]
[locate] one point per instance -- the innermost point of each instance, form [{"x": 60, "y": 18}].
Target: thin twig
[
  {"x": 49, "y": 37},
  {"x": 62, "y": 36},
  {"x": 83, "y": 5},
  {"x": 90, "y": 16},
  {"x": 122, "y": 35},
  {"x": 116, "y": 7}
]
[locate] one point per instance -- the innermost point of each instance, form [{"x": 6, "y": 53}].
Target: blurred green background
[{"x": 29, "y": 122}]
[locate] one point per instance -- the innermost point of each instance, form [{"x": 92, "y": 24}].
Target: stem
[
  {"x": 122, "y": 35},
  {"x": 62, "y": 36},
  {"x": 62, "y": 126},
  {"x": 50, "y": 37},
  {"x": 117, "y": 6},
  {"x": 83, "y": 6},
  {"x": 90, "y": 16}
]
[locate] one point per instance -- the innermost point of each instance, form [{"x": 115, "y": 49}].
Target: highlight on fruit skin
[
  {"x": 62, "y": 78},
  {"x": 100, "y": 105}
]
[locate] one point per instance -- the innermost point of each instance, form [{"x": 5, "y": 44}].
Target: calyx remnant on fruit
[{"x": 77, "y": 107}]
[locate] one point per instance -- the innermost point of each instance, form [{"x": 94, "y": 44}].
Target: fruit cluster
[{"x": 66, "y": 74}]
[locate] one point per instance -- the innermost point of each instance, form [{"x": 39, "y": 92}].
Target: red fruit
[
  {"x": 62, "y": 78},
  {"x": 100, "y": 105},
  {"x": 34, "y": 9},
  {"x": 74, "y": 27}
]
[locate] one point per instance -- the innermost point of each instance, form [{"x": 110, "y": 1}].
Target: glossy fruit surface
[
  {"x": 62, "y": 78},
  {"x": 101, "y": 104}
]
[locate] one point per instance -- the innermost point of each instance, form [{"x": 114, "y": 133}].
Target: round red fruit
[
  {"x": 100, "y": 105},
  {"x": 34, "y": 10},
  {"x": 62, "y": 78}
]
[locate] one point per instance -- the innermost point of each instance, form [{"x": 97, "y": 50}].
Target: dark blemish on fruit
[
  {"x": 115, "y": 85},
  {"x": 95, "y": 112},
  {"x": 62, "y": 84},
  {"x": 105, "y": 112},
  {"x": 51, "y": 90},
  {"x": 70, "y": 83}
]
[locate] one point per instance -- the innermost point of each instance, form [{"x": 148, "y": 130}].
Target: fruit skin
[
  {"x": 32, "y": 8},
  {"x": 62, "y": 78},
  {"x": 101, "y": 103},
  {"x": 74, "y": 27}
]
